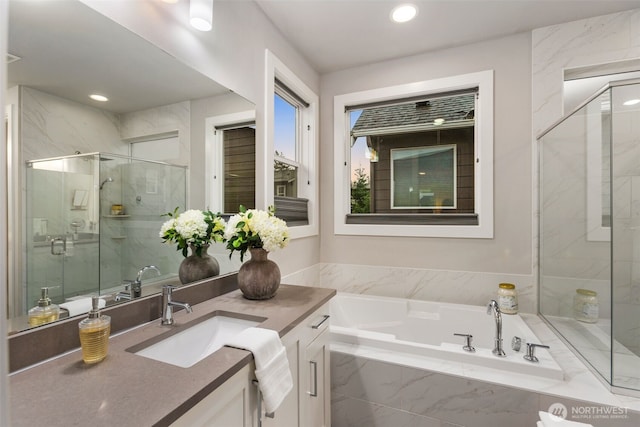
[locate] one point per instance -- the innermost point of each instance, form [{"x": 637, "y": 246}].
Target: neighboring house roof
[{"x": 451, "y": 109}]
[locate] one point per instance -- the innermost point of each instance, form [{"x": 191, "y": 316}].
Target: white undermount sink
[{"x": 190, "y": 343}]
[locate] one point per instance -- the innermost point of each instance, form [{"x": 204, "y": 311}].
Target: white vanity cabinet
[
  {"x": 231, "y": 404},
  {"x": 308, "y": 404},
  {"x": 315, "y": 404},
  {"x": 235, "y": 403},
  {"x": 315, "y": 396}
]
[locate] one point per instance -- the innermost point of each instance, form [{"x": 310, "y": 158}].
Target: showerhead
[{"x": 109, "y": 179}]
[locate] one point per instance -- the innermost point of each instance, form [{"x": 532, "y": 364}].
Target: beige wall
[{"x": 510, "y": 251}]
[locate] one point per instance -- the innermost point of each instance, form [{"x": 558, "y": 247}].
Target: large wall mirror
[{"x": 90, "y": 179}]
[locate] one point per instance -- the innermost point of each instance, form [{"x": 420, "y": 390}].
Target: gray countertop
[{"x": 129, "y": 390}]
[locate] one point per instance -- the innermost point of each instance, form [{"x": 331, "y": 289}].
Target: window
[
  {"x": 230, "y": 177},
  {"x": 291, "y": 149},
  {"x": 287, "y": 112},
  {"x": 424, "y": 178},
  {"x": 417, "y": 159},
  {"x": 163, "y": 148}
]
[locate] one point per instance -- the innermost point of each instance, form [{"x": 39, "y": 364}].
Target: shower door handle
[{"x": 53, "y": 246}]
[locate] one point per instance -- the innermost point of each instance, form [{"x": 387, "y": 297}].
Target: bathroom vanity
[
  {"x": 237, "y": 402},
  {"x": 131, "y": 390}
]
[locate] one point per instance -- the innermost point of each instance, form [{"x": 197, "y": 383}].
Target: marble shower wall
[
  {"x": 53, "y": 127},
  {"x": 591, "y": 42}
]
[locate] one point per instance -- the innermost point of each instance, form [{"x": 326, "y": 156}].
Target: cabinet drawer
[{"x": 317, "y": 323}]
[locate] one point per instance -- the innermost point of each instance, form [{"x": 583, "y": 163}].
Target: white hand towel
[
  {"x": 549, "y": 420},
  {"x": 81, "y": 306},
  {"x": 272, "y": 366}
]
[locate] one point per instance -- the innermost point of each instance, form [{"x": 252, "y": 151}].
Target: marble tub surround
[
  {"x": 460, "y": 287},
  {"x": 377, "y": 388},
  {"x": 127, "y": 389},
  {"x": 378, "y": 394}
]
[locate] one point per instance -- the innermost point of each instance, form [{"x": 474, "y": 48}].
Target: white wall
[{"x": 510, "y": 250}]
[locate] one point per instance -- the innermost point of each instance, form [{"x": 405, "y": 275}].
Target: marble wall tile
[
  {"x": 366, "y": 379},
  {"x": 349, "y": 412},
  {"x": 52, "y": 126},
  {"x": 420, "y": 397},
  {"x": 309, "y": 276},
  {"x": 155, "y": 121},
  {"x": 464, "y": 401},
  {"x": 436, "y": 399},
  {"x": 474, "y": 288}
]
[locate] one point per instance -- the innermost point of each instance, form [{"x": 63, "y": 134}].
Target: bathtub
[{"x": 426, "y": 330}]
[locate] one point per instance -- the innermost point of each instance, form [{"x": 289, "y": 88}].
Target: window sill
[
  {"x": 414, "y": 225},
  {"x": 413, "y": 219}
]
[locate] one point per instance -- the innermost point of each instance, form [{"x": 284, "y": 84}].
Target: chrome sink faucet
[
  {"x": 168, "y": 304},
  {"x": 126, "y": 294},
  {"x": 136, "y": 285},
  {"x": 497, "y": 315}
]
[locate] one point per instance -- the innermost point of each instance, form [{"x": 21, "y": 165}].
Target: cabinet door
[
  {"x": 231, "y": 404},
  {"x": 288, "y": 412},
  {"x": 317, "y": 405}
]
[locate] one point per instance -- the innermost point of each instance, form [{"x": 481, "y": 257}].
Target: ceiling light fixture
[
  {"x": 100, "y": 98},
  {"x": 631, "y": 102},
  {"x": 404, "y": 13},
  {"x": 438, "y": 122},
  {"x": 201, "y": 14}
]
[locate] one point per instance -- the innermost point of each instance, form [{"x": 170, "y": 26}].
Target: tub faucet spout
[{"x": 492, "y": 307}]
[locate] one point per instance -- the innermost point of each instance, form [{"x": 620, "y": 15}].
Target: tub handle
[
  {"x": 467, "y": 342},
  {"x": 530, "y": 349},
  {"x": 324, "y": 319}
]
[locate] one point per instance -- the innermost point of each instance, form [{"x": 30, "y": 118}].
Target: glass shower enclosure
[
  {"x": 92, "y": 222},
  {"x": 589, "y": 233}
]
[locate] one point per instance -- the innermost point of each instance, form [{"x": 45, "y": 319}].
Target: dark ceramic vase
[
  {"x": 197, "y": 267},
  {"x": 259, "y": 278}
]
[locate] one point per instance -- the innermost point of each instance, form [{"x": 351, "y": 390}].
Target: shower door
[{"x": 61, "y": 243}]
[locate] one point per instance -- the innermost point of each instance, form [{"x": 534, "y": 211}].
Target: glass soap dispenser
[
  {"x": 45, "y": 311},
  {"x": 94, "y": 334}
]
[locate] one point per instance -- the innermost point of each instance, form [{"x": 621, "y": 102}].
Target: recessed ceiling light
[
  {"x": 632, "y": 102},
  {"x": 404, "y": 13},
  {"x": 97, "y": 97}
]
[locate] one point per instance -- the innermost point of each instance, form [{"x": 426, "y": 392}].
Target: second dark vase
[{"x": 259, "y": 278}]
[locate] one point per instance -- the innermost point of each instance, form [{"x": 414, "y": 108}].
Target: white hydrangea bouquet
[
  {"x": 193, "y": 228},
  {"x": 252, "y": 228}
]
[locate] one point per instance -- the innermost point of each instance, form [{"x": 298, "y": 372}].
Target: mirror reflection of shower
[
  {"x": 109, "y": 179},
  {"x": 75, "y": 245}
]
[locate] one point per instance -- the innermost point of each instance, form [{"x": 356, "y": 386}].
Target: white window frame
[
  {"x": 306, "y": 151},
  {"x": 483, "y": 191},
  {"x": 214, "y": 153}
]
